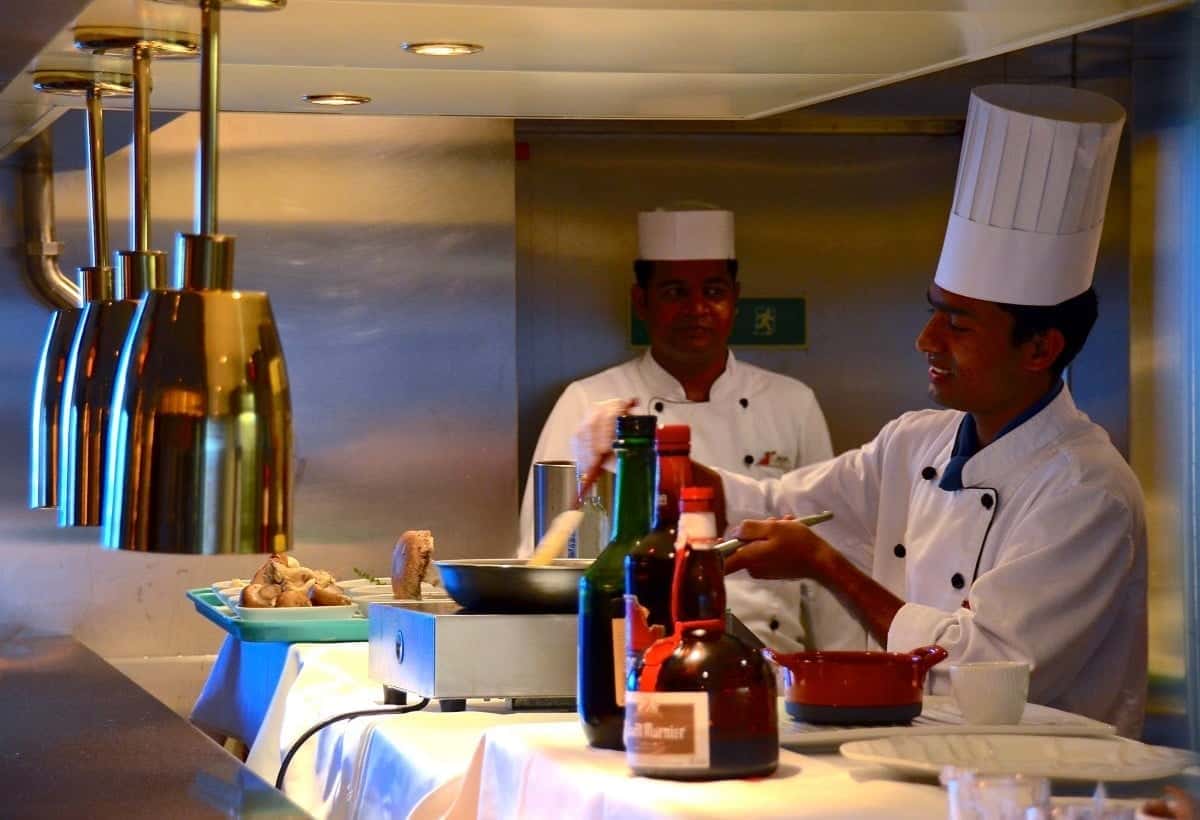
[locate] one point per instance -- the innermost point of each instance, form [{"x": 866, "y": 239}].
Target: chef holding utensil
[
  {"x": 743, "y": 418},
  {"x": 1007, "y": 526}
]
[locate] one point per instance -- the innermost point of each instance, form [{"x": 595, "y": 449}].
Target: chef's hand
[
  {"x": 778, "y": 548},
  {"x": 593, "y": 439},
  {"x": 788, "y": 549}
]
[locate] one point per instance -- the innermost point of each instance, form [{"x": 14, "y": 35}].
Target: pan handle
[{"x": 728, "y": 548}]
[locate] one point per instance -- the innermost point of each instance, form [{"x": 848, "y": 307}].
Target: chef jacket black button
[
  {"x": 899, "y": 550},
  {"x": 987, "y": 501},
  {"x": 748, "y": 460},
  {"x": 957, "y": 581},
  {"x": 774, "y": 624},
  {"x": 929, "y": 474},
  {"x": 744, "y": 402},
  {"x": 658, "y": 407}
]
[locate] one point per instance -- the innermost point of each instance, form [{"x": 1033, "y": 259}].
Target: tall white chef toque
[
  {"x": 1029, "y": 201},
  {"x": 680, "y": 235}
]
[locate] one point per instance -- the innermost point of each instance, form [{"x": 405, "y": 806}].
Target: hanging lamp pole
[
  {"x": 210, "y": 104},
  {"x": 139, "y": 182},
  {"x": 138, "y": 268},
  {"x": 98, "y": 222}
]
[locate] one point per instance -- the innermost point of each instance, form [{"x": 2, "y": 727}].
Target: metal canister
[{"x": 554, "y": 491}]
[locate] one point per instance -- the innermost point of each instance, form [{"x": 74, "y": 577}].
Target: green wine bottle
[{"x": 601, "y": 668}]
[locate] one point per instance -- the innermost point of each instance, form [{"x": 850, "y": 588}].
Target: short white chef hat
[
  {"x": 1028, "y": 207},
  {"x": 674, "y": 235}
]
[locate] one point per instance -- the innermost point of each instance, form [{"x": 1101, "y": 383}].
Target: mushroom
[
  {"x": 260, "y": 595},
  {"x": 328, "y": 595},
  {"x": 292, "y": 597},
  {"x": 299, "y": 578}
]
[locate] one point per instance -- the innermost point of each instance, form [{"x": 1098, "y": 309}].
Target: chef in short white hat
[
  {"x": 1006, "y": 526},
  {"x": 747, "y": 420}
]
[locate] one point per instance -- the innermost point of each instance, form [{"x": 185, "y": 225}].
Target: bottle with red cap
[
  {"x": 701, "y": 704},
  {"x": 650, "y": 565}
]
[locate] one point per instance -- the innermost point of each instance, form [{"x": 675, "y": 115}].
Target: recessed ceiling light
[
  {"x": 336, "y": 99},
  {"x": 441, "y": 49}
]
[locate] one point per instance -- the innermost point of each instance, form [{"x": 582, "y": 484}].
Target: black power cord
[{"x": 287, "y": 759}]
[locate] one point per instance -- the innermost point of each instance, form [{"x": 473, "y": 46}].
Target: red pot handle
[{"x": 926, "y": 657}]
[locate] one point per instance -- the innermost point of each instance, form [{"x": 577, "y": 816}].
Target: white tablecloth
[
  {"x": 489, "y": 762},
  {"x": 239, "y": 688},
  {"x": 377, "y": 766},
  {"x": 547, "y": 770}
]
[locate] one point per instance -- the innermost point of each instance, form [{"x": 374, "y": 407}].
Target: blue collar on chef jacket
[{"x": 966, "y": 443}]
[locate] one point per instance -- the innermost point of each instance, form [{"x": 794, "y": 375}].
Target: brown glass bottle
[
  {"x": 703, "y": 704},
  {"x": 650, "y": 565},
  {"x": 600, "y": 682}
]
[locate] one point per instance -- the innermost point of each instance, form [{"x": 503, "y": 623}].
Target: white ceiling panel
[{"x": 576, "y": 58}]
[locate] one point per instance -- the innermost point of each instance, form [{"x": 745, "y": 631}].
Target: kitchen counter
[{"x": 79, "y": 739}]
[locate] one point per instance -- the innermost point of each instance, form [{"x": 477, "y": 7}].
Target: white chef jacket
[
  {"x": 756, "y": 423},
  {"x": 1041, "y": 557}
]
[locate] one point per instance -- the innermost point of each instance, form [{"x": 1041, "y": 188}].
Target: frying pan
[{"x": 509, "y": 585}]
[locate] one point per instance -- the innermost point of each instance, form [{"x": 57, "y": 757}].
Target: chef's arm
[
  {"x": 788, "y": 549},
  {"x": 1066, "y": 594}
]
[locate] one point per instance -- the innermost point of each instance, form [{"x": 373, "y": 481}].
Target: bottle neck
[
  {"x": 698, "y": 591},
  {"x": 672, "y": 474},
  {"x": 632, "y": 493},
  {"x": 698, "y": 529}
]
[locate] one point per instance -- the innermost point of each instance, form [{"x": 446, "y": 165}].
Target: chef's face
[
  {"x": 688, "y": 308},
  {"x": 973, "y": 363}
]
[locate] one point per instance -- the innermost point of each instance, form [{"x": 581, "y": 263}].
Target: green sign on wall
[{"x": 759, "y": 323}]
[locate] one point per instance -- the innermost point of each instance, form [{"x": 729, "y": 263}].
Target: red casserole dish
[{"x": 855, "y": 687}]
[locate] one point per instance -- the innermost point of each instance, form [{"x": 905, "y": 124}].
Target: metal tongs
[{"x": 728, "y": 548}]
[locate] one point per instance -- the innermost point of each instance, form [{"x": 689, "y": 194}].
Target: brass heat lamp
[
  {"x": 96, "y": 284},
  {"x": 200, "y": 443},
  {"x": 91, "y": 368}
]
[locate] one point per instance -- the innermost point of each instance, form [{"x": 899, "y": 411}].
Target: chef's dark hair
[
  {"x": 1074, "y": 318},
  {"x": 644, "y": 268}
]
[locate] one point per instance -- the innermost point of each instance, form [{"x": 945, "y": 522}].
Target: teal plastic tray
[{"x": 210, "y": 605}]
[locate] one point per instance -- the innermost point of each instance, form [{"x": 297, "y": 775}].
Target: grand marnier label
[{"x": 667, "y": 730}]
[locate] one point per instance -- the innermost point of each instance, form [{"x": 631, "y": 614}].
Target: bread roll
[{"x": 410, "y": 562}]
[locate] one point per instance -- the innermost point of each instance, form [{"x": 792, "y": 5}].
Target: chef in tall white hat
[
  {"x": 1006, "y": 526},
  {"x": 747, "y": 420}
]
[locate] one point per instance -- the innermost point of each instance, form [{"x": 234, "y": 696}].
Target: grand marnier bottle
[
  {"x": 601, "y": 668},
  {"x": 650, "y": 565},
  {"x": 703, "y": 703}
]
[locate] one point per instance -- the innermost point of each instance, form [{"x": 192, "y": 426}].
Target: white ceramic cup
[{"x": 990, "y": 693}]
